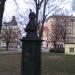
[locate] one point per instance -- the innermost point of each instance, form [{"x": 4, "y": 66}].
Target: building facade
[
  {"x": 10, "y": 31},
  {"x": 59, "y": 30}
]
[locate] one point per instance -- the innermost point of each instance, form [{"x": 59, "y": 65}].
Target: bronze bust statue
[{"x": 31, "y": 27}]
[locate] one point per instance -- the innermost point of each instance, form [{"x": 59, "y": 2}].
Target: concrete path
[{"x": 9, "y": 52}]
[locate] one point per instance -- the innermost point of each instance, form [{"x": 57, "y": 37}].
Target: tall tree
[
  {"x": 2, "y": 3},
  {"x": 43, "y": 8},
  {"x": 6, "y": 35},
  {"x": 59, "y": 29}
]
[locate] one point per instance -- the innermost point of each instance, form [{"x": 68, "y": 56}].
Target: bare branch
[
  {"x": 41, "y": 2},
  {"x": 35, "y": 2},
  {"x": 55, "y": 8},
  {"x": 46, "y": 1},
  {"x": 44, "y": 10}
]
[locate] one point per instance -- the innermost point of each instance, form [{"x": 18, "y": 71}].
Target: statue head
[{"x": 32, "y": 15}]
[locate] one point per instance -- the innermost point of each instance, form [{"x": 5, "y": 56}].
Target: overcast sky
[{"x": 11, "y": 9}]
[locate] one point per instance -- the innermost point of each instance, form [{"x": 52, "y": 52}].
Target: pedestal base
[{"x": 31, "y": 57}]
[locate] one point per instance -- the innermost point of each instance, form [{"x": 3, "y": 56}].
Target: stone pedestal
[{"x": 31, "y": 57}]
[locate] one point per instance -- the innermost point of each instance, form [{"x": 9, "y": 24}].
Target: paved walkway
[
  {"x": 13, "y": 50},
  {"x": 9, "y": 52}
]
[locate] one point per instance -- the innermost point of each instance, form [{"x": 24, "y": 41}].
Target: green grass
[
  {"x": 58, "y": 64},
  {"x": 10, "y": 64},
  {"x": 52, "y": 64},
  {"x": 2, "y": 49}
]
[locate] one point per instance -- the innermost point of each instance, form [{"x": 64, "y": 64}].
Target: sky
[
  {"x": 73, "y": 5},
  {"x": 11, "y": 10}
]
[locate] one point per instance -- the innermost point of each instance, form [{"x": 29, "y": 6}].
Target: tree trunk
[
  {"x": 41, "y": 32},
  {"x": 6, "y": 48},
  {"x": 7, "y": 45},
  {"x": 2, "y": 3},
  {"x": 54, "y": 44}
]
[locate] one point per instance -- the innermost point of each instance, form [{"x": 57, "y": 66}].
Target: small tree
[
  {"x": 6, "y": 35},
  {"x": 59, "y": 30}
]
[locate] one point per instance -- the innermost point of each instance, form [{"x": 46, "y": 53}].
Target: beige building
[
  {"x": 52, "y": 23},
  {"x": 70, "y": 48},
  {"x": 47, "y": 32},
  {"x": 70, "y": 37},
  {"x": 59, "y": 30}
]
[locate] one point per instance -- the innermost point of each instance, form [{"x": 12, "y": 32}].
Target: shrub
[{"x": 57, "y": 50}]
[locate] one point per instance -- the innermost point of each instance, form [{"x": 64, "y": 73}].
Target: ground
[
  {"x": 10, "y": 64},
  {"x": 52, "y": 64},
  {"x": 58, "y": 64}
]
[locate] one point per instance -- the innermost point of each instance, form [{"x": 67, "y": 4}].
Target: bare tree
[
  {"x": 45, "y": 7},
  {"x": 59, "y": 30},
  {"x": 2, "y": 3},
  {"x": 6, "y": 35}
]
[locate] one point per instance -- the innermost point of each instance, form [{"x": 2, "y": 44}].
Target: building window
[
  {"x": 71, "y": 49},
  {"x": 68, "y": 31}
]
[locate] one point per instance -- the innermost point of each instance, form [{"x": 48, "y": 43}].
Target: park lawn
[
  {"x": 10, "y": 64},
  {"x": 2, "y": 49},
  {"x": 52, "y": 64},
  {"x": 58, "y": 64}
]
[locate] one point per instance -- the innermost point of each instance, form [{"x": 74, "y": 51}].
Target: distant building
[
  {"x": 59, "y": 30},
  {"x": 70, "y": 37},
  {"x": 15, "y": 33}
]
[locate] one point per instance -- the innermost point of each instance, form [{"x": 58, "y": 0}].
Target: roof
[
  {"x": 12, "y": 22},
  {"x": 61, "y": 16}
]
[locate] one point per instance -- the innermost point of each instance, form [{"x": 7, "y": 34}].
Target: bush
[{"x": 57, "y": 50}]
